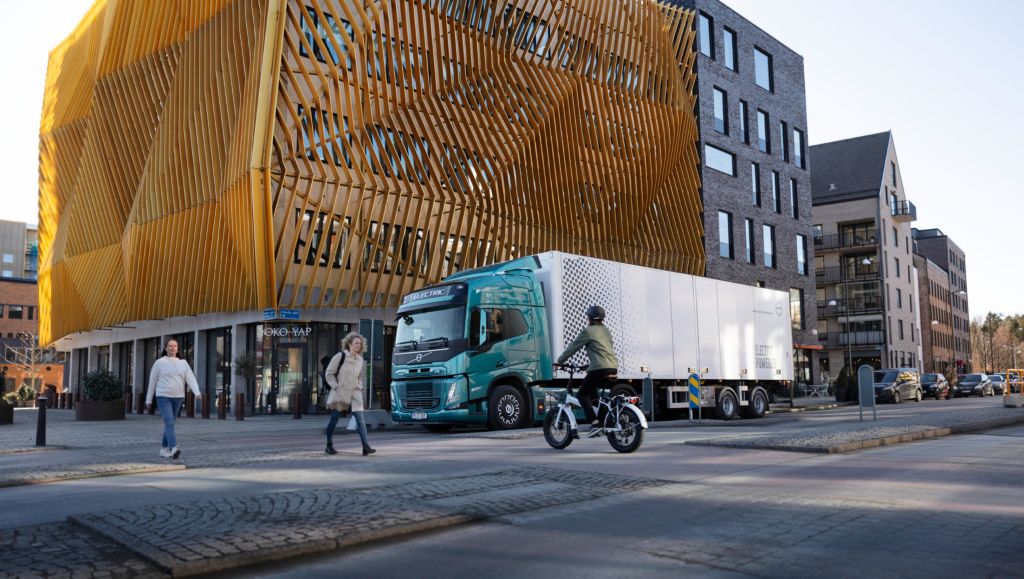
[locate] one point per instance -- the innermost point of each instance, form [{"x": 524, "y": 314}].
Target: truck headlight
[
  {"x": 978, "y": 387},
  {"x": 457, "y": 394}
]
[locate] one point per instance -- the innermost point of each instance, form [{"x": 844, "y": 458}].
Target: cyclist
[{"x": 597, "y": 340}]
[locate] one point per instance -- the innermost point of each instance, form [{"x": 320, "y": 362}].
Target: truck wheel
[
  {"x": 757, "y": 406},
  {"x": 506, "y": 408},
  {"x": 727, "y": 405},
  {"x": 624, "y": 389},
  {"x": 438, "y": 427}
]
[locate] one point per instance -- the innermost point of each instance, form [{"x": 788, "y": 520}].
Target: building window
[
  {"x": 721, "y": 111},
  {"x": 744, "y": 129},
  {"x": 729, "y": 44},
  {"x": 31, "y": 312},
  {"x": 8, "y": 258},
  {"x": 794, "y": 203},
  {"x": 755, "y": 183},
  {"x": 895, "y": 237},
  {"x": 768, "y": 232},
  {"x": 763, "y": 132},
  {"x": 776, "y": 201},
  {"x": 706, "y": 27},
  {"x": 1, "y": 310},
  {"x": 784, "y": 134},
  {"x": 798, "y": 148},
  {"x": 15, "y": 312},
  {"x": 816, "y": 231},
  {"x": 750, "y": 240},
  {"x": 796, "y": 307},
  {"x": 899, "y": 324},
  {"x": 801, "y": 254},
  {"x": 897, "y": 266},
  {"x": 7, "y": 273},
  {"x": 763, "y": 74},
  {"x": 720, "y": 160},
  {"x": 899, "y": 298},
  {"x": 725, "y": 234},
  {"x": 759, "y": 283},
  {"x": 892, "y": 164}
]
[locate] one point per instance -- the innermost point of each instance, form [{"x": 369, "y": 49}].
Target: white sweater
[{"x": 168, "y": 378}]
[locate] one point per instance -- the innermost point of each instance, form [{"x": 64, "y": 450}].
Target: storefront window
[{"x": 218, "y": 365}]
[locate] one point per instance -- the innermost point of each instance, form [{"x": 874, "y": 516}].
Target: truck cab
[{"x": 473, "y": 350}]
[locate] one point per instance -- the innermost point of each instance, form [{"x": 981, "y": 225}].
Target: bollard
[
  {"x": 297, "y": 405},
  {"x": 205, "y": 406},
  {"x": 62, "y": 399},
  {"x": 239, "y": 407},
  {"x": 127, "y": 401},
  {"x": 190, "y": 404},
  {"x": 41, "y": 421},
  {"x": 140, "y": 403},
  {"x": 222, "y": 407}
]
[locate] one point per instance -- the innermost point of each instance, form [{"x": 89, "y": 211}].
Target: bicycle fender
[
  {"x": 640, "y": 415},
  {"x": 567, "y": 410}
]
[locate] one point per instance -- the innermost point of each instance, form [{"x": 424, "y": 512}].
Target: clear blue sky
[{"x": 946, "y": 77}]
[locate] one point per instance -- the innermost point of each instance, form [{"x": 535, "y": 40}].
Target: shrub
[
  {"x": 102, "y": 386},
  {"x": 11, "y": 398}
]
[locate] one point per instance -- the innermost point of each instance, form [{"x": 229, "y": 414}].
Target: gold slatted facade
[{"x": 200, "y": 156}]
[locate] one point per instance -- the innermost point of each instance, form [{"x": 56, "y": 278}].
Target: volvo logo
[{"x": 418, "y": 357}]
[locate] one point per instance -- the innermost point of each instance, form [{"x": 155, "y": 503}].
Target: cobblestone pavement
[
  {"x": 847, "y": 436},
  {"x": 65, "y": 550},
  {"x": 205, "y": 536}
]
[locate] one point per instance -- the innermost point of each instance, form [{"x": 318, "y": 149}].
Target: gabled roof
[{"x": 848, "y": 169}]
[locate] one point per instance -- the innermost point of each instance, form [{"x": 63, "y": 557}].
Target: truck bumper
[{"x": 461, "y": 416}]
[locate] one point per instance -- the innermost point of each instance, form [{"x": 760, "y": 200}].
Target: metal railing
[
  {"x": 838, "y": 274},
  {"x": 861, "y": 305},
  {"x": 856, "y": 238},
  {"x": 903, "y": 209},
  {"x": 843, "y": 339}
]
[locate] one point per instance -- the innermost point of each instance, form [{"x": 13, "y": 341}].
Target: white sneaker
[
  {"x": 165, "y": 452},
  {"x": 175, "y": 453}
]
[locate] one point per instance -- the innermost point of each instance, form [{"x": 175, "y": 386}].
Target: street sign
[
  {"x": 693, "y": 390},
  {"x": 290, "y": 314},
  {"x": 269, "y": 314},
  {"x": 866, "y": 390}
]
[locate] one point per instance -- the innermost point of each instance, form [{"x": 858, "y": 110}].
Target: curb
[
  {"x": 85, "y": 475},
  {"x": 183, "y": 569},
  {"x": 875, "y": 442}
]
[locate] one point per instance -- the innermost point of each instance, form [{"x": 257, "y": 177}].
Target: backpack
[{"x": 325, "y": 387}]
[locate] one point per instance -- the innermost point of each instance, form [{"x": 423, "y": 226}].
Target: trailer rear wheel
[
  {"x": 757, "y": 406},
  {"x": 727, "y": 405},
  {"x": 624, "y": 389}
]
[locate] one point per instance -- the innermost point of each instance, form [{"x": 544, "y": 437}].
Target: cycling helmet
[{"x": 595, "y": 313}]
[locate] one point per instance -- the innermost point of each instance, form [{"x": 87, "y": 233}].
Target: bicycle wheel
[
  {"x": 557, "y": 429},
  {"x": 630, "y": 435}
]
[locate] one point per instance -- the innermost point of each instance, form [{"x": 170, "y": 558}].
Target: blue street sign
[
  {"x": 269, "y": 314},
  {"x": 290, "y": 314}
]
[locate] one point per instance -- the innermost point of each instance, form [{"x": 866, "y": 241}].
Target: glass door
[{"x": 288, "y": 377}]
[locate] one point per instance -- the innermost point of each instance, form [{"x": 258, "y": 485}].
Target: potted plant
[
  {"x": 26, "y": 396},
  {"x": 103, "y": 397}
]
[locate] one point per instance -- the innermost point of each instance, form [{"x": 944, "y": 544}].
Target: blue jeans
[
  {"x": 169, "y": 408},
  {"x": 360, "y": 427}
]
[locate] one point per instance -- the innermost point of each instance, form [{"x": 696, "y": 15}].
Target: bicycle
[{"x": 622, "y": 422}]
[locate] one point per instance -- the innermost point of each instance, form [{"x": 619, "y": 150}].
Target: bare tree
[{"x": 26, "y": 356}]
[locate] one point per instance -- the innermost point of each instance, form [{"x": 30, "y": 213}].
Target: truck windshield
[{"x": 430, "y": 329}]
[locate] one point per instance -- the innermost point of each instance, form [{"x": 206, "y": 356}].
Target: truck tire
[
  {"x": 437, "y": 427},
  {"x": 624, "y": 389},
  {"x": 506, "y": 408},
  {"x": 727, "y": 406},
  {"x": 757, "y": 406}
]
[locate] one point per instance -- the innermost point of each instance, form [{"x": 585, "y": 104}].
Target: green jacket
[{"x": 598, "y": 342}]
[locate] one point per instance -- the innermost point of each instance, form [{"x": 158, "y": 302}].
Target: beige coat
[{"x": 346, "y": 384}]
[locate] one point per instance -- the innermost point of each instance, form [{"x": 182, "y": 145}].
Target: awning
[{"x": 808, "y": 347}]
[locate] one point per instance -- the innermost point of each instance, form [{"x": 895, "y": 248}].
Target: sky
[{"x": 944, "y": 76}]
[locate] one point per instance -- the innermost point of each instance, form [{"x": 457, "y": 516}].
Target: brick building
[
  {"x": 19, "y": 328},
  {"x": 937, "y": 247},
  {"x": 755, "y": 175}
]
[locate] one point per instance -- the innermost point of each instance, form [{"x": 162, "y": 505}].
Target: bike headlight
[{"x": 457, "y": 394}]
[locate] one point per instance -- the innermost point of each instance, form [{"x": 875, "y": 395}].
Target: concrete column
[
  {"x": 93, "y": 362},
  {"x": 115, "y": 358},
  {"x": 139, "y": 367}
]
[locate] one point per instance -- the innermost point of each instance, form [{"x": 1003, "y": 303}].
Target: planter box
[
  {"x": 6, "y": 413},
  {"x": 91, "y": 410}
]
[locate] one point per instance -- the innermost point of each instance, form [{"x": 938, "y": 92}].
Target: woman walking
[
  {"x": 167, "y": 382},
  {"x": 346, "y": 375}
]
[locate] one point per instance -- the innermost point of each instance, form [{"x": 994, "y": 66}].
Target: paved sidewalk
[{"x": 848, "y": 436}]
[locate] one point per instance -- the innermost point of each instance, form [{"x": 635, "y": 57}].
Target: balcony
[
  {"x": 903, "y": 211},
  {"x": 857, "y": 306},
  {"x": 846, "y": 240},
  {"x": 842, "y": 339},
  {"x": 837, "y": 274}
]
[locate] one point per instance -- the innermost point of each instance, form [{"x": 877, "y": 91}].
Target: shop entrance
[{"x": 289, "y": 360}]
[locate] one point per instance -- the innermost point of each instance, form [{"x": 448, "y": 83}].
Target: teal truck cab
[{"x": 473, "y": 350}]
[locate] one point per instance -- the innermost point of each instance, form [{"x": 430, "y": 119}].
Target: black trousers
[{"x": 588, "y": 390}]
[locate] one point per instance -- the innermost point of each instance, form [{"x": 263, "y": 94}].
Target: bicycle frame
[{"x": 566, "y": 407}]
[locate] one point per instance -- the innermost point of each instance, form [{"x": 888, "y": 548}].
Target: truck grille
[{"x": 420, "y": 395}]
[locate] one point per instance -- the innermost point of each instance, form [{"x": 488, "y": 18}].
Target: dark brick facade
[
  {"x": 939, "y": 248},
  {"x": 733, "y": 194}
]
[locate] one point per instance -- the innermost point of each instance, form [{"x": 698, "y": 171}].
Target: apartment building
[
  {"x": 864, "y": 264},
  {"x": 955, "y": 322},
  {"x": 756, "y": 194},
  {"x": 19, "y": 250}
]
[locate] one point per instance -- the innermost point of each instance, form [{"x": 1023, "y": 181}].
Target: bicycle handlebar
[{"x": 572, "y": 368}]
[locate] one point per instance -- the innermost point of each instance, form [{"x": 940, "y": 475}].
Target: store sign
[{"x": 287, "y": 332}]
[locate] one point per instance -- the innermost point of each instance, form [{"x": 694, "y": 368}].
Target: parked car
[
  {"x": 998, "y": 383},
  {"x": 897, "y": 384},
  {"x": 974, "y": 385},
  {"x": 935, "y": 385}
]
